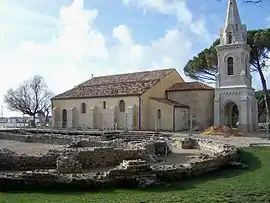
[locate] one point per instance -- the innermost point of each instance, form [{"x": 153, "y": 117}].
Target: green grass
[{"x": 232, "y": 185}]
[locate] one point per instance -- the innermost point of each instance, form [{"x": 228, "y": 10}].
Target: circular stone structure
[{"x": 104, "y": 160}]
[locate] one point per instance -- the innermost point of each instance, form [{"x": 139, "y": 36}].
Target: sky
[{"x": 66, "y": 41}]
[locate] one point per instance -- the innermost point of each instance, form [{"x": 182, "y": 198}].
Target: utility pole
[
  {"x": 267, "y": 122},
  {"x": 2, "y": 111}
]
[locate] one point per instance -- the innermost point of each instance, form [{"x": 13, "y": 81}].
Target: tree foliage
[{"x": 32, "y": 97}]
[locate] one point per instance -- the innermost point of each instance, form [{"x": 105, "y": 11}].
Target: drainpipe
[
  {"x": 174, "y": 118},
  {"x": 140, "y": 113},
  {"x": 191, "y": 120}
]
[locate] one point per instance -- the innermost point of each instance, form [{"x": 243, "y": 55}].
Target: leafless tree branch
[{"x": 32, "y": 97}]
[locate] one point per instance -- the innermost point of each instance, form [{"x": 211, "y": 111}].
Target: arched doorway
[
  {"x": 231, "y": 115},
  {"x": 64, "y": 118}
]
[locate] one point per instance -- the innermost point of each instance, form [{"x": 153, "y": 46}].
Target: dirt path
[{"x": 28, "y": 148}]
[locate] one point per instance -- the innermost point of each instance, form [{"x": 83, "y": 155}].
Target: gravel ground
[
  {"x": 243, "y": 141},
  {"x": 181, "y": 156},
  {"x": 28, "y": 148}
]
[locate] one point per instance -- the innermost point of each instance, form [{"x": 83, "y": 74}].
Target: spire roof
[{"x": 233, "y": 16}]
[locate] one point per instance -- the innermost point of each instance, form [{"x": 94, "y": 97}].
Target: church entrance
[
  {"x": 64, "y": 118},
  {"x": 231, "y": 115}
]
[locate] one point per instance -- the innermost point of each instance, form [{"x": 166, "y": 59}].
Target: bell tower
[{"x": 235, "y": 103}]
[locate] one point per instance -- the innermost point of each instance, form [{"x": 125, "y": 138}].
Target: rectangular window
[{"x": 104, "y": 105}]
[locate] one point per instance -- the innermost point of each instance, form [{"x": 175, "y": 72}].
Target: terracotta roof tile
[
  {"x": 169, "y": 102},
  {"x": 116, "y": 85},
  {"x": 189, "y": 86}
]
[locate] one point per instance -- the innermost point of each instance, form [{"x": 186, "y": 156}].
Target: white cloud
[
  {"x": 76, "y": 49},
  {"x": 178, "y": 9},
  {"x": 122, "y": 33}
]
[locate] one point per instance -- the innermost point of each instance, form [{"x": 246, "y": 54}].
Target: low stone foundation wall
[
  {"x": 130, "y": 173},
  {"x": 12, "y": 161},
  {"x": 91, "y": 158},
  {"x": 43, "y": 138},
  {"x": 218, "y": 158},
  {"x": 88, "y": 158}
]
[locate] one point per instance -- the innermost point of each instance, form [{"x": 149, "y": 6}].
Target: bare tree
[{"x": 32, "y": 97}]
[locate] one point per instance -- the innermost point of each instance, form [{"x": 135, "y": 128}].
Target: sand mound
[{"x": 222, "y": 130}]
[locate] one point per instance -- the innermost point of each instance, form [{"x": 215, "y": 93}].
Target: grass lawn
[{"x": 238, "y": 185}]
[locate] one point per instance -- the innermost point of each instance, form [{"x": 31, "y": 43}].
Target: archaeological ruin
[{"x": 102, "y": 160}]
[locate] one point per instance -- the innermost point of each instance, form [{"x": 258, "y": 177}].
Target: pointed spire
[
  {"x": 234, "y": 31},
  {"x": 233, "y": 17}
]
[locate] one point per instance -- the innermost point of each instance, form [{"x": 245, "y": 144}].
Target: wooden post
[
  {"x": 191, "y": 120},
  {"x": 155, "y": 123},
  {"x": 166, "y": 152}
]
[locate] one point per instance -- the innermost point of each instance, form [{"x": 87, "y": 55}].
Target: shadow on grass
[{"x": 246, "y": 157}]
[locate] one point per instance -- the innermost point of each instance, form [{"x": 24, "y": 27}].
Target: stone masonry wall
[
  {"x": 129, "y": 173},
  {"x": 88, "y": 158},
  {"x": 12, "y": 161},
  {"x": 101, "y": 157},
  {"x": 42, "y": 138},
  {"x": 218, "y": 157}
]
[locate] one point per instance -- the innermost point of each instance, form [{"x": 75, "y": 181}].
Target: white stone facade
[{"x": 235, "y": 104}]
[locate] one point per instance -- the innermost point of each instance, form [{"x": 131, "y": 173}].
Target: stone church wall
[
  {"x": 85, "y": 120},
  {"x": 157, "y": 90},
  {"x": 201, "y": 103},
  {"x": 166, "y": 120}
]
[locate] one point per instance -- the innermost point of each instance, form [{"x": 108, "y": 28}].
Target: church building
[
  {"x": 162, "y": 100},
  {"x": 149, "y": 100}
]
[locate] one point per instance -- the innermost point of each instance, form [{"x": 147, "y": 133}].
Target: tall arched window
[
  {"x": 230, "y": 66},
  {"x": 122, "y": 106},
  {"x": 104, "y": 105},
  {"x": 158, "y": 114},
  {"x": 83, "y": 107}
]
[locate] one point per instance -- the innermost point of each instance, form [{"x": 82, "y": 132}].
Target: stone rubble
[
  {"x": 132, "y": 162},
  {"x": 69, "y": 163}
]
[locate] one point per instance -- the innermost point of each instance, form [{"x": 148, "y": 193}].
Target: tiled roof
[
  {"x": 116, "y": 85},
  {"x": 169, "y": 102},
  {"x": 188, "y": 86}
]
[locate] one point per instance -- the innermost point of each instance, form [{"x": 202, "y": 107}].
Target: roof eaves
[{"x": 99, "y": 96}]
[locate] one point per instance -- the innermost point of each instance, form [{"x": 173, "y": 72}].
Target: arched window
[
  {"x": 230, "y": 66},
  {"x": 104, "y": 105},
  {"x": 122, "y": 106},
  {"x": 158, "y": 114},
  {"x": 83, "y": 107},
  {"x": 230, "y": 38}
]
